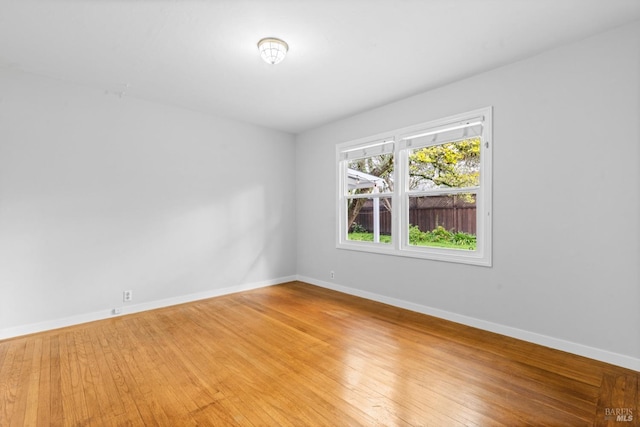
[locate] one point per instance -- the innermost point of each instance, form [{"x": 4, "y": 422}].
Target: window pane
[
  {"x": 364, "y": 224},
  {"x": 370, "y": 175},
  {"x": 443, "y": 221},
  {"x": 454, "y": 164}
]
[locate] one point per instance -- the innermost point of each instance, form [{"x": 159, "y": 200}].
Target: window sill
[{"x": 460, "y": 256}]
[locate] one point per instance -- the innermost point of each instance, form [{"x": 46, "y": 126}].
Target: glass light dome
[{"x": 272, "y": 50}]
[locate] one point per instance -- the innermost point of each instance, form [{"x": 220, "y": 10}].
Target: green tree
[{"x": 455, "y": 164}]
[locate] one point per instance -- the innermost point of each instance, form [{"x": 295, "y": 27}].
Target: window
[
  {"x": 422, "y": 191},
  {"x": 369, "y": 179}
]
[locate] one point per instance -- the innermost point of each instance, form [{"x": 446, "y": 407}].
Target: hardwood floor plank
[
  {"x": 9, "y": 372},
  {"x": 108, "y": 397},
  {"x": 87, "y": 375},
  {"x": 158, "y": 391},
  {"x": 299, "y": 355},
  {"x": 23, "y": 368},
  {"x": 43, "y": 404},
  {"x": 57, "y": 397},
  {"x": 33, "y": 386},
  {"x": 74, "y": 404}
]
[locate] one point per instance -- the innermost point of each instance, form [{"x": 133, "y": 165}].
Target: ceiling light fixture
[{"x": 272, "y": 50}]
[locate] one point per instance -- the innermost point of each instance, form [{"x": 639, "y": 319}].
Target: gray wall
[
  {"x": 566, "y": 133},
  {"x": 101, "y": 193}
]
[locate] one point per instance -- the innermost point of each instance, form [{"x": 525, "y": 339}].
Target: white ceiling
[{"x": 345, "y": 56}]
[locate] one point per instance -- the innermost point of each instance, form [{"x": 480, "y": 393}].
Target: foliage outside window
[{"x": 423, "y": 191}]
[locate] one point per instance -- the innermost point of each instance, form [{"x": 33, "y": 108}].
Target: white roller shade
[
  {"x": 368, "y": 150},
  {"x": 443, "y": 134}
]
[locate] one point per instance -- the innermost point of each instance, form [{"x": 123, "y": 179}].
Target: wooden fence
[{"x": 451, "y": 212}]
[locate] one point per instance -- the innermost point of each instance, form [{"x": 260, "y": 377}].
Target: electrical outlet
[
  {"x": 127, "y": 296},
  {"x": 332, "y": 274}
]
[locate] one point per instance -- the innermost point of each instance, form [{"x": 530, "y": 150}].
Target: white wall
[
  {"x": 566, "y": 203},
  {"x": 101, "y": 193}
]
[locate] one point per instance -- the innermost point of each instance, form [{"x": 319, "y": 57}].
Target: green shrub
[
  {"x": 415, "y": 235},
  {"x": 438, "y": 237},
  {"x": 357, "y": 228},
  {"x": 368, "y": 237},
  {"x": 442, "y": 236},
  {"x": 464, "y": 239}
]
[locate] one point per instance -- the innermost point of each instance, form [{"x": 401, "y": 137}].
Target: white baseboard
[
  {"x": 544, "y": 340},
  {"x": 136, "y": 308}
]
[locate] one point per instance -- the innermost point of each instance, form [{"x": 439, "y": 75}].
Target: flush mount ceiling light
[{"x": 272, "y": 50}]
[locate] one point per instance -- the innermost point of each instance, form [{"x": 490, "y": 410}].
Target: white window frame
[{"x": 402, "y": 141}]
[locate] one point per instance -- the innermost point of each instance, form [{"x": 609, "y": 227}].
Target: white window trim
[{"x": 399, "y": 245}]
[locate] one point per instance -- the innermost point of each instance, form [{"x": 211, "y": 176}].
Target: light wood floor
[{"x": 299, "y": 355}]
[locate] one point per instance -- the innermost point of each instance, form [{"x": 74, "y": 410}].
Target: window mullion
[
  {"x": 400, "y": 204},
  {"x": 442, "y": 191},
  {"x": 369, "y": 196}
]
